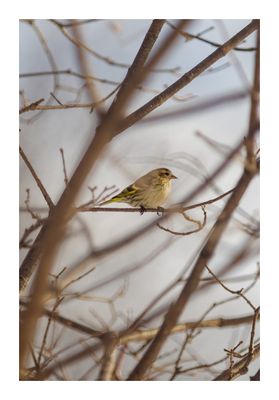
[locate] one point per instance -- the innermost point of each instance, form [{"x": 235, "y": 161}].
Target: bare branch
[
  {"x": 239, "y": 368},
  {"x": 38, "y": 181},
  {"x": 51, "y": 234},
  {"x": 32, "y": 106},
  {"x": 199, "y": 228},
  {"x": 189, "y": 36},
  {"x": 175, "y": 209},
  {"x": 154, "y": 337},
  {"x": 238, "y": 292},
  {"x": 188, "y": 77},
  {"x": 208, "y": 250}
]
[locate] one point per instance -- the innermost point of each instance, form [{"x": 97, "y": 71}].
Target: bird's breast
[{"x": 157, "y": 195}]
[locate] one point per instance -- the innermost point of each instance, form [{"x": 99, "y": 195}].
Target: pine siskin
[{"x": 149, "y": 191}]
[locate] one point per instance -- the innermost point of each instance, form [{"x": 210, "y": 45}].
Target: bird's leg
[
  {"x": 142, "y": 209},
  {"x": 160, "y": 210}
]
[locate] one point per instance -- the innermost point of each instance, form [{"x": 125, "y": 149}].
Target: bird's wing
[
  {"x": 128, "y": 191},
  {"x": 143, "y": 182}
]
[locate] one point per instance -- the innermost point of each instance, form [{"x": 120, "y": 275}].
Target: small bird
[{"x": 149, "y": 191}]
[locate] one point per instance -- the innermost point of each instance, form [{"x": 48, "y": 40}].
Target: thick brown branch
[
  {"x": 149, "y": 334},
  {"x": 206, "y": 253},
  {"x": 53, "y": 231},
  {"x": 254, "y": 112},
  {"x": 110, "y": 342},
  {"x": 136, "y": 336},
  {"x": 102, "y": 139},
  {"x": 208, "y": 250},
  {"x": 188, "y": 77}
]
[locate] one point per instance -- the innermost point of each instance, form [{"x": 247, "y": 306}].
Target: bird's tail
[{"x": 114, "y": 199}]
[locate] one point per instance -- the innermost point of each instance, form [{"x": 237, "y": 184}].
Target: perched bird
[{"x": 149, "y": 191}]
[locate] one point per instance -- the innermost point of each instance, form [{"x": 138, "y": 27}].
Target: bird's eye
[{"x": 165, "y": 173}]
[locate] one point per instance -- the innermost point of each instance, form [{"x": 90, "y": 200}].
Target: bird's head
[{"x": 164, "y": 175}]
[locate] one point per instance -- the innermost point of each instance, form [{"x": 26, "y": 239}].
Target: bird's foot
[
  {"x": 160, "y": 210},
  {"x": 142, "y": 210}
]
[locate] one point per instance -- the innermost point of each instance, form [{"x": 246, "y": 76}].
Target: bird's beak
[{"x": 174, "y": 177}]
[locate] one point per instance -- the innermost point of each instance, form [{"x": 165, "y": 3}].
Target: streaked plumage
[{"x": 149, "y": 191}]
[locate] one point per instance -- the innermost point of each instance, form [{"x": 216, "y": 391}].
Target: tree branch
[
  {"x": 175, "y": 209},
  {"x": 53, "y": 231},
  {"x": 239, "y": 368},
  {"x": 37, "y": 179},
  {"x": 188, "y": 77},
  {"x": 206, "y": 253}
]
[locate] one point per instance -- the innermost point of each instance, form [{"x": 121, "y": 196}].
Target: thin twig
[
  {"x": 107, "y": 60},
  {"x": 50, "y": 58},
  {"x": 56, "y": 305},
  {"x": 56, "y": 99},
  {"x": 77, "y": 279},
  {"x": 252, "y": 335},
  {"x": 239, "y": 368},
  {"x": 175, "y": 209},
  {"x": 189, "y": 36},
  {"x": 23, "y": 243},
  {"x": 64, "y": 167},
  {"x": 148, "y": 334},
  {"x": 31, "y": 107},
  {"x": 77, "y": 22},
  {"x": 237, "y": 292},
  {"x": 35, "y": 106},
  {"x": 200, "y": 225},
  {"x": 38, "y": 181},
  {"x": 101, "y": 80}
]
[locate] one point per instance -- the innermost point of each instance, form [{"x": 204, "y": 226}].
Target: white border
[{"x": 9, "y": 197}]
